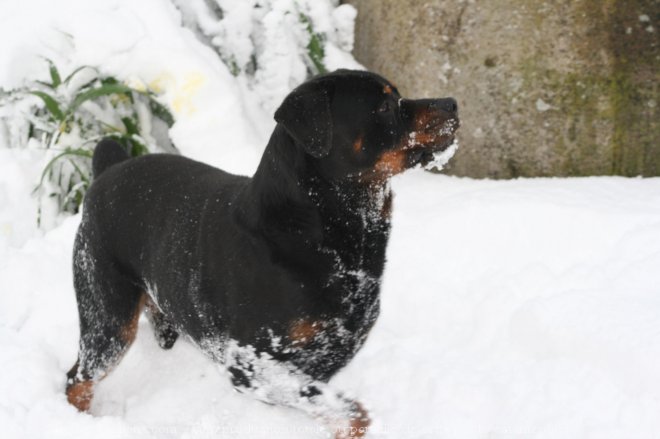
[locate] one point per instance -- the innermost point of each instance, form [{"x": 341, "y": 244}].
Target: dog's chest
[
  {"x": 357, "y": 246},
  {"x": 320, "y": 343},
  {"x": 324, "y": 345}
]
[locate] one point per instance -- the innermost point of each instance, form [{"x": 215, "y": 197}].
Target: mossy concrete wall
[{"x": 545, "y": 88}]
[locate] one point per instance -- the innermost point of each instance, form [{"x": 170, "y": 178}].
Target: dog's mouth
[
  {"x": 434, "y": 146},
  {"x": 423, "y": 156}
]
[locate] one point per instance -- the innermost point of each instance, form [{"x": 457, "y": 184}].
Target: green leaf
[
  {"x": 315, "y": 48},
  {"x": 54, "y": 75},
  {"x": 74, "y": 196},
  {"x": 137, "y": 148},
  {"x": 80, "y": 172},
  {"x": 45, "y": 84},
  {"x": 110, "y": 129},
  {"x": 131, "y": 126},
  {"x": 104, "y": 90},
  {"x": 67, "y": 152},
  {"x": 160, "y": 111},
  {"x": 317, "y": 53},
  {"x": 69, "y": 171},
  {"x": 51, "y": 104},
  {"x": 72, "y": 74},
  {"x": 109, "y": 80}
]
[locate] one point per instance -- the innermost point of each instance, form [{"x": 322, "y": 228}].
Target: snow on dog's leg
[
  {"x": 109, "y": 306},
  {"x": 282, "y": 384}
]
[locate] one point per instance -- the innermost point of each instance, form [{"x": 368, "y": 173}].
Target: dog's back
[{"x": 152, "y": 200}]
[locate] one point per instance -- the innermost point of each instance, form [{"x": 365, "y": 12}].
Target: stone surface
[{"x": 556, "y": 87}]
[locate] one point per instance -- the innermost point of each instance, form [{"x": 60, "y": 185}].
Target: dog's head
[{"x": 355, "y": 124}]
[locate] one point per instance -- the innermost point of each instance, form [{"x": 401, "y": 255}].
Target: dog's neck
[
  {"x": 275, "y": 200},
  {"x": 288, "y": 196}
]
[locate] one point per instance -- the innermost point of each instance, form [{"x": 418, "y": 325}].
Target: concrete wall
[{"x": 554, "y": 87}]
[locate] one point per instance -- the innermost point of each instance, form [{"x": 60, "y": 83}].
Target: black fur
[{"x": 282, "y": 268}]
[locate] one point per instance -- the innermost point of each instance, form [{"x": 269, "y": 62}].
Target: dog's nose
[{"x": 447, "y": 104}]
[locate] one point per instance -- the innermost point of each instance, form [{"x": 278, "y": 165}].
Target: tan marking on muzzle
[{"x": 426, "y": 129}]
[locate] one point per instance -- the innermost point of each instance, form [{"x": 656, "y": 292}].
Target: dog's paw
[{"x": 354, "y": 424}]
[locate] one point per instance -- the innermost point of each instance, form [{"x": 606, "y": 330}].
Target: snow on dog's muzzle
[{"x": 432, "y": 127}]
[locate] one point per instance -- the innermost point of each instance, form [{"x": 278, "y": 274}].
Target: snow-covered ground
[{"x": 510, "y": 309}]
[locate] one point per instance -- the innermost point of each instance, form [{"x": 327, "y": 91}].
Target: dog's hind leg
[
  {"x": 164, "y": 331},
  {"x": 109, "y": 306}
]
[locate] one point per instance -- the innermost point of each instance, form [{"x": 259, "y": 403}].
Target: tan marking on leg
[
  {"x": 129, "y": 330},
  {"x": 356, "y": 425},
  {"x": 359, "y": 421},
  {"x": 80, "y": 394},
  {"x": 386, "y": 210},
  {"x": 303, "y": 331}
]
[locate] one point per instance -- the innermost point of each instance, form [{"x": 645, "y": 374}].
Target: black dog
[{"x": 277, "y": 276}]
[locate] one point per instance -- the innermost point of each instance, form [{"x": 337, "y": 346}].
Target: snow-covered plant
[
  {"x": 274, "y": 44},
  {"x": 67, "y": 117}
]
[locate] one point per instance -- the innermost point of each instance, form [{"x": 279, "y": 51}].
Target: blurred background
[{"x": 545, "y": 88}]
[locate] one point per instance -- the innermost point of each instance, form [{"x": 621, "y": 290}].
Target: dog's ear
[{"x": 305, "y": 114}]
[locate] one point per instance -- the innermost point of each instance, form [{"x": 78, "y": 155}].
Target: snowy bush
[
  {"x": 270, "y": 46},
  {"x": 67, "y": 117},
  {"x": 274, "y": 44}
]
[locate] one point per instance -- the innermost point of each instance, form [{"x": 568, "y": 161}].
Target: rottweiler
[{"x": 277, "y": 276}]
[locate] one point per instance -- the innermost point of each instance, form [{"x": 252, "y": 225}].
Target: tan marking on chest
[
  {"x": 357, "y": 145},
  {"x": 303, "y": 331}
]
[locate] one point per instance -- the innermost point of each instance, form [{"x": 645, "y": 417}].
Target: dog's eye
[{"x": 385, "y": 107}]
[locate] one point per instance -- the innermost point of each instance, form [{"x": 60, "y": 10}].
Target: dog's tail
[{"x": 108, "y": 152}]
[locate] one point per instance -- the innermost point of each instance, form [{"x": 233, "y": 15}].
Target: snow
[{"x": 523, "y": 308}]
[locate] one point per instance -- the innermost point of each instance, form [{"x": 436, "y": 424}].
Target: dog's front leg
[{"x": 282, "y": 384}]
